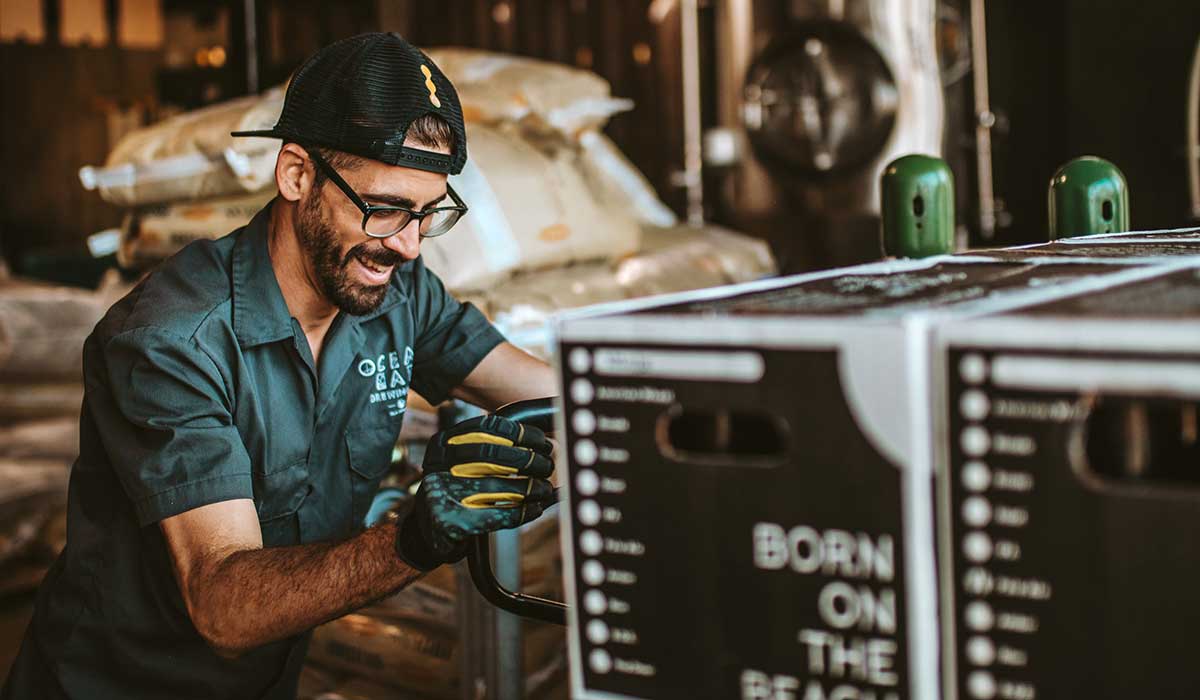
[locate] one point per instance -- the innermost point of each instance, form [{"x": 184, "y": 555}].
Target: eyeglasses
[{"x": 383, "y": 221}]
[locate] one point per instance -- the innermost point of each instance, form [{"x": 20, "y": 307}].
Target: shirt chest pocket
[{"x": 370, "y": 456}]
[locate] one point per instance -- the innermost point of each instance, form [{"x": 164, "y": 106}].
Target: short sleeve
[
  {"x": 164, "y": 416},
  {"x": 451, "y": 337}
]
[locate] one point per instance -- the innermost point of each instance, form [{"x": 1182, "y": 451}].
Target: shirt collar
[{"x": 260, "y": 315}]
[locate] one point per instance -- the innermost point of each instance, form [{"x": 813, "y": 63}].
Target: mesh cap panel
[{"x": 360, "y": 95}]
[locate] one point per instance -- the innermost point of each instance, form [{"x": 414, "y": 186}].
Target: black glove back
[{"x": 485, "y": 474}]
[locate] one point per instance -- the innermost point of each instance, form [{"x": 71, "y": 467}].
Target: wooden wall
[
  {"x": 56, "y": 105},
  {"x": 1091, "y": 77}
]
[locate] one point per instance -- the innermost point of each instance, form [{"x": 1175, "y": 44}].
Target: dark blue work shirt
[{"x": 200, "y": 388}]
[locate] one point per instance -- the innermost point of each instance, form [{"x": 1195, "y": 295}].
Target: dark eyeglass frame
[{"x": 368, "y": 210}]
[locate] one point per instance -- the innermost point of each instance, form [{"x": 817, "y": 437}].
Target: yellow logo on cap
[{"x": 432, "y": 88}]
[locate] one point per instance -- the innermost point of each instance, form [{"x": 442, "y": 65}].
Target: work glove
[{"x": 485, "y": 474}]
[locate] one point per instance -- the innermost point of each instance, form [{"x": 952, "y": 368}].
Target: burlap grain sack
[
  {"x": 542, "y": 97},
  {"x": 529, "y": 210},
  {"x": 359, "y": 689},
  {"x": 404, "y": 655},
  {"x": 43, "y": 327},
  {"x": 22, "y": 479},
  {"x": 683, "y": 258},
  {"x": 544, "y": 644},
  {"x": 153, "y": 233},
  {"x": 618, "y": 184},
  {"x": 56, "y": 437},
  {"x": 315, "y": 682},
  {"x": 544, "y": 291},
  {"x": 31, "y": 492},
  {"x": 424, "y": 603},
  {"x": 191, "y": 156},
  {"x": 521, "y": 307},
  {"x": 541, "y": 559},
  {"x": 20, "y": 402},
  {"x": 671, "y": 260}
]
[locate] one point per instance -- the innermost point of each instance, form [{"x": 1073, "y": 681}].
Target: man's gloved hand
[{"x": 484, "y": 474}]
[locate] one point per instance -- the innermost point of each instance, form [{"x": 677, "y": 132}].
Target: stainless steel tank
[{"x": 814, "y": 99}]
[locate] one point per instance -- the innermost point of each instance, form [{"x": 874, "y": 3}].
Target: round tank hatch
[{"x": 819, "y": 102}]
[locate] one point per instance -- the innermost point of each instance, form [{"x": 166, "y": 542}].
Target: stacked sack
[
  {"x": 534, "y": 204},
  {"x": 670, "y": 260},
  {"x": 42, "y": 330},
  {"x": 186, "y": 178}
]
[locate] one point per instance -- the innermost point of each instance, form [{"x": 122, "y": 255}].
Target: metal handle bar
[{"x": 538, "y": 413}]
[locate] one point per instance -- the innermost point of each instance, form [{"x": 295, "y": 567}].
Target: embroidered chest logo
[{"x": 391, "y": 373}]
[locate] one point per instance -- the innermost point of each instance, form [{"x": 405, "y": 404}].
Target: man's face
[{"x": 352, "y": 269}]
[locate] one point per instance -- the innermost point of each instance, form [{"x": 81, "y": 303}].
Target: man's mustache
[{"x": 376, "y": 256}]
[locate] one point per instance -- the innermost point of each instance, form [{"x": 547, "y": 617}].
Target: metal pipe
[
  {"x": 1193, "y": 134},
  {"x": 474, "y": 631},
  {"x": 510, "y": 647},
  {"x": 533, "y": 607},
  {"x": 734, "y": 43},
  {"x": 250, "y": 7},
  {"x": 539, "y": 413},
  {"x": 692, "y": 138},
  {"x": 984, "y": 120}
]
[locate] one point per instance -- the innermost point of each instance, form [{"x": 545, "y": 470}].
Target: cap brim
[{"x": 268, "y": 133}]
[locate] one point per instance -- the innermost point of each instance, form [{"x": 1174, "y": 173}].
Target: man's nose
[{"x": 407, "y": 241}]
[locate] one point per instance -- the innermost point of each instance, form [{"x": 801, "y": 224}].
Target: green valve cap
[
  {"x": 1088, "y": 195},
  {"x": 917, "y": 207}
]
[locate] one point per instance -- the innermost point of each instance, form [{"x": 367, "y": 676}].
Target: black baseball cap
[{"x": 359, "y": 95}]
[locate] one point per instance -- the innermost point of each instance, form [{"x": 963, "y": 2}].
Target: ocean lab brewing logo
[{"x": 391, "y": 379}]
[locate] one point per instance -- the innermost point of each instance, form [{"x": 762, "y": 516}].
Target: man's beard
[{"x": 319, "y": 240}]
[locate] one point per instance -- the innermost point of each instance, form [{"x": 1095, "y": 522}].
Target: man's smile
[{"x": 374, "y": 273}]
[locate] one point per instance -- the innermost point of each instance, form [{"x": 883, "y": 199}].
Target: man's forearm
[
  {"x": 252, "y": 597},
  {"x": 506, "y": 374}
]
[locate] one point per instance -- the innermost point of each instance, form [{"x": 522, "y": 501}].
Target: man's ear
[{"x": 293, "y": 175}]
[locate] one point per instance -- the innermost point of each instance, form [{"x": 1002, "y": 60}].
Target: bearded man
[{"x": 242, "y": 403}]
